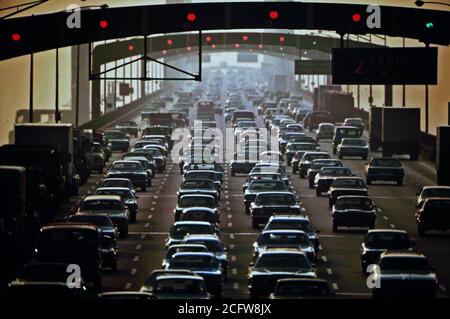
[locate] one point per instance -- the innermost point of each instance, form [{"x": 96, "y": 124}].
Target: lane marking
[
  {"x": 392, "y": 225},
  {"x": 228, "y": 209},
  {"x": 324, "y": 259},
  {"x": 232, "y": 236},
  {"x": 230, "y": 224},
  {"x": 143, "y": 236},
  {"x": 136, "y": 259},
  {"x": 385, "y": 217},
  {"x": 138, "y": 247},
  {"x": 329, "y": 271},
  {"x": 335, "y": 286},
  {"x": 146, "y": 225},
  {"x": 229, "y": 216},
  {"x": 233, "y": 258},
  {"x": 133, "y": 272},
  {"x": 128, "y": 286},
  {"x": 232, "y": 246},
  {"x": 236, "y": 285},
  {"x": 442, "y": 288},
  {"x": 234, "y": 271},
  {"x": 149, "y": 216}
]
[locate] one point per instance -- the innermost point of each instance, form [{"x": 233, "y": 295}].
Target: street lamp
[{"x": 420, "y": 3}]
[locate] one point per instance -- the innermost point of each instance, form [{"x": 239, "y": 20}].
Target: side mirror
[{"x": 252, "y": 263}]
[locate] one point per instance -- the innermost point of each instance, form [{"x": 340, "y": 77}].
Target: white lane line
[
  {"x": 335, "y": 286},
  {"x": 156, "y": 197},
  {"x": 143, "y": 236},
  {"x": 233, "y": 258},
  {"x": 442, "y": 288},
  {"x": 232, "y": 246},
  {"x": 226, "y": 196},
  {"x": 329, "y": 271},
  {"x": 230, "y": 216},
  {"x": 149, "y": 216},
  {"x": 232, "y": 236},
  {"x": 320, "y": 247},
  {"x": 138, "y": 247},
  {"x": 133, "y": 272},
  {"x": 136, "y": 259},
  {"x": 146, "y": 225},
  {"x": 152, "y": 209},
  {"x": 228, "y": 209},
  {"x": 128, "y": 286},
  {"x": 385, "y": 217},
  {"x": 236, "y": 285},
  {"x": 379, "y": 210},
  {"x": 153, "y": 203},
  {"x": 324, "y": 258},
  {"x": 227, "y": 203},
  {"x": 230, "y": 225},
  {"x": 234, "y": 271},
  {"x": 392, "y": 225}
]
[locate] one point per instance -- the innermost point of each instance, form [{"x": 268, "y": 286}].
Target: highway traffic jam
[{"x": 305, "y": 208}]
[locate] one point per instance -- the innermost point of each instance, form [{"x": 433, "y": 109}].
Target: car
[
  {"x": 433, "y": 214},
  {"x": 72, "y": 243},
  {"x": 261, "y": 176},
  {"x": 341, "y": 132},
  {"x": 307, "y": 159},
  {"x": 274, "y": 264},
  {"x": 272, "y": 157},
  {"x": 111, "y": 205},
  {"x": 45, "y": 280},
  {"x": 133, "y": 170},
  {"x": 244, "y": 162},
  {"x": 204, "y": 264},
  {"x": 431, "y": 192},
  {"x": 204, "y": 166},
  {"x": 204, "y": 174},
  {"x": 214, "y": 245},
  {"x": 156, "y": 154},
  {"x": 325, "y": 131},
  {"x": 316, "y": 165},
  {"x": 302, "y": 288},
  {"x": 180, "y": 248},
  {"x": 313, "y": 119},
  {"x": 129, "y": 127},
  {"x": 150, "y": 280},
  {"x": 201, "y": 214},
  {"x": 198, "y": 186},
  {"x": 378, "y": 241},
  {"x": 110, "y": 252},
  {"x": 149, "y": 166},
  {"x": 188, "y": 201},
  {"x": 355, "y": 122},
  {"x": 171, "y": 286},
  {"x": 326, "y": 175},
  {"x": 403, "y": 273},
  {"x": 307, "y": 147},
  {"x": 182, "y": 228},
  {"x": 118, "y": 182},
  {"x": 384, "y": 169},
  {"x": 103, "y": 223},
  {"x": 263, "y": 167},
  {"x": 295, "y": 222},
  {"x": 353, "y": 211},
  {"x": 352, "y": 147},
  {"x": 285, "y": 139},
  {"x": 284, "y": 238},
  {"x": 346, "y": 186},
  {"x": 125, "y": 295},
  {"x": 262, "y": 185},
  {"x": 269, "y": 203},
  {"x": 163, "y": 150},
  {"x": 128, "y": 197},
  {"x": 118, "y": 139},
  {"x": 293, "y": 148},
  {"x": 98, "y": 157},
  {"x": 137, "y": 155}
]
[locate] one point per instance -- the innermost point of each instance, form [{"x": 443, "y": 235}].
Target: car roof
[
  {"x": 327, "y": 160},
  {"x": 353, "y": 196},
  {"x": 289, "y": 217},
  {"x": 387, "y": 230},
  {"x": 202, "y": 237},
  {"x": 199, "y": 208},
  {"x": 316, "y": 153},
  {"x": 276, "y": 193},
  {"x": 69, "y": 226},
  {"x": 282, "y": 231},
  {"x": 171, "y": 277},
  {"x": 124, "y": 161},
  {"x": 113, "y": 189},
  {"x": 116, "y": 179},
  {"x": 402, "y": 253},
  {"x": 281, "y": 250},
  {"x": 194, "y": 253},
  {"x": 191, "y": 223},
  {"x": 197, "y": 195},
  {"x": 102, "y": 197},
  {"x": 435, "y": 187},
  {"x": 349, "y": 177}
]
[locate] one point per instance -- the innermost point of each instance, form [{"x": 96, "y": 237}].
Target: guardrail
[{"x": 119, "y": 114}]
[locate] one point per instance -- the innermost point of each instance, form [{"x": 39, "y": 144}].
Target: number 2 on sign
[{"x": 359, "y": 67}]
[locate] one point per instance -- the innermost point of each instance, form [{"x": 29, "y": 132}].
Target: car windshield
[
  {"x": 335, "y": 172},
  {"x": 291, "y": 224},
  {"x": 387, "y": 240},
  {"x": 311, "y": 157},
  {"x": 124, "y": 194},
  {"x": 197, "y": 201},
  {"x": 307, "y": 289},
  {"x": 104, "y": 204},
  {"x": 127, "y": 166},
  {"x": 213, "y": 246},
  {"x": 117, "y": 183},
  {"x": 355, "y": 142},
  {"x": 348, "y": 182},
  {"x": 296, "y": 261},
  {"x": 193, "y": 184},
  {"x": 179, "y": 286},
  {"x": 386, "y": 162},
  {"x": 179, "y": 231},
  {"x": 101, "y": 221},
  {"x": 193, "y": 262},
  {"x": 326, "y": 128},
  {"x": 404, "y": 263},
  {"x": 354, "y": 203},
  {"x": 436, "y": 192},
  {"x": 283, "y": 239},
  {"x": 275, "y": 199},
  {"x": 268, "y": 186}
]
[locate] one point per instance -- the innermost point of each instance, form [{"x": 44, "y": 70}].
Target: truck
[
  {"x": 57, "y": 135},
  {"x": 319, "y": 93},
  {"x": 443, "y": 155},
  {"x": 375, "y": 126},
  {"x": 205, "y": 108},
  {"x": 400, "y": 132},
  {"x": 339, "y": 104}
]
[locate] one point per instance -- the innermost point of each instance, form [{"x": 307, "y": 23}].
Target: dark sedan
[
  {"x": 133, "y": 170},
  {"x": 325, "y": 177},
  {"x": 353, "y": 211},
  {"x": 384, "y": 169}
]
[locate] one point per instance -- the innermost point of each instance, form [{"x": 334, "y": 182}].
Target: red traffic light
[
  {"x": 16, "y": 37},
  {"x": 131, "y": 48},
  {"x": 244, "y": 37},
  {"x": 208, "y": 38},
  {"x": 237, "y": 45},
  {"x": 356, "y": 17},
  {"x": 282, "y": 39},
  {"x": 103, "y": 24},
  {"x": 169, "y": 41},
  {"x": 213, "y": 46},
  {"x": 191, "y": 17},
  {"x": 273, "y": 15}
]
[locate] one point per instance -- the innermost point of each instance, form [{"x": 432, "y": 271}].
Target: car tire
[
  {"x": 149, "y": 184},
  {"x": 400, "y": 182},
  {"x": 255, "y": 224},
  {"x": 294, "y": 170},
  {"x": 133, "y": 217},
  {"x": 311, "y": 185},
  {"x": 421, "y": 230},
  {"x": 143, "y": 188},
  {"x": 340, "y": 156},
  {"x": 335, "y": 227},
  {"x": 124, "y": 232},
  {"x": 318, "y": 193},
  {"x": 364, "y": 158}
]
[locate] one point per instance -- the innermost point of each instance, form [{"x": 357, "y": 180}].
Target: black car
[
  {"x": 275, "y": 264},
  {"x": 261, "y": 176},
  {"x": 346, "y": 186},
  {"x": 307, "y": 159},
  {"x": 198, "y": 186},
  {"x": 269, "y": 203},
  {"x": 326, "y": 175},
  {"x": 378, "y": 241},
  {"x": 182, "y": 228},
  {"x": 201, "y": 214},
  {"x": 203, "y": 264},
  {"x": 188, "y": 201},
  {"x": 302, "y": 288},
  {"x": 434, "y": 213},
  {"x": 118, "y": 139},
  {"x": 384, "y": 169},
  {"x": 204, "y": 174},
  {"x": 128, "y": 197},
  {"x": 353, "y": 211},
  {"x": 261, "y": 185},
  {"x": 341, "y": 132},
  {"x": 403, "y": 273},
  {"x": 133, "y": 170},
  {"x": 295, "y": 161},
  {"x": 245, "y": 164},
  {"x": 293, "y": 148},
  {"x": 316, "y": 165}
]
